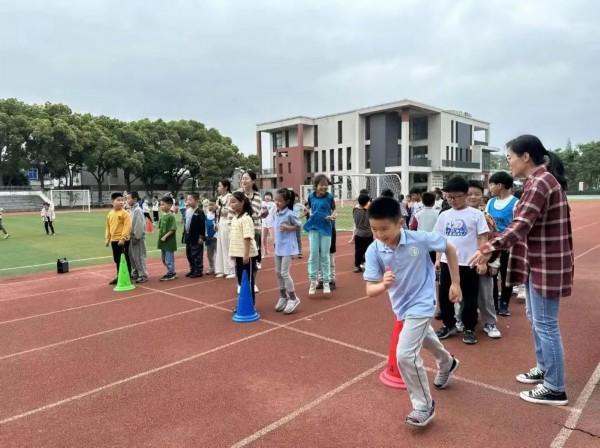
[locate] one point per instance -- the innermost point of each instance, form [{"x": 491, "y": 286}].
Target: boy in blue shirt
[{"x": 398, "y": 262}]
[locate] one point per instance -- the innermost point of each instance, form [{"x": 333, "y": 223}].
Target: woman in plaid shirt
[{"x": 541, "y": 256}]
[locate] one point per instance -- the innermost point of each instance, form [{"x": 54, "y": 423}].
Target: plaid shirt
[{"x": 540, "y": 236}]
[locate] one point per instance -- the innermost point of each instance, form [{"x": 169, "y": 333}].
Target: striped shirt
[
  {"x": 256, "y": 202},
  {"x": 223, "y": 209},
  {"x": 541, "y": 237}
]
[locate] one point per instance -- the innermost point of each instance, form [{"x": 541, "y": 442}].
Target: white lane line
[
  {"x": 585, "y": 226},
  {"x": 587, "y": 251},
  {"x": 573, "y": 418},
  {"x": 307, "y": 407}
]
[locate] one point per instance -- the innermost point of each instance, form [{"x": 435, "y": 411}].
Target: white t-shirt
[
  {"x": 271, "y": 208},
  {"x": 461, "y": 228}
]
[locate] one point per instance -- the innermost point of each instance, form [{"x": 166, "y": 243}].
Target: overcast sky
[{"x": 525, "y": 66}]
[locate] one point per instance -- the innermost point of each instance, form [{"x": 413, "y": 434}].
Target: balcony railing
[
  {"x": 268, "y": 172},
  {"x": 420, "y": 161},
  {"x": 460, "y": 164}
]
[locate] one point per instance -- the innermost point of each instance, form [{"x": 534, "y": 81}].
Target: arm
[
  {"x": 172, "y": 228},
  {"x": 138, "y": 225},
  {"x": 376, "y": 288},
  {"x": 107, "y": 231},
  {"x": 455, "y": 292},
  {"x": 202, "y": 228},
  {"x": 126, "y": 229},
  {"x": 247, "y": 242}
]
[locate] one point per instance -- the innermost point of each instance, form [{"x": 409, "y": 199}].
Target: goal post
[{"x": 71, "y": 200}]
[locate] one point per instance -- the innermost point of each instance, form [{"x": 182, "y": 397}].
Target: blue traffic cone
[{"x": 245, "y": 311}]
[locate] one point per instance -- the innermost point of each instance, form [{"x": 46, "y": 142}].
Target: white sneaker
[
  {"x": 281, "y": 304},
  {"x": 312, "y": 289},
  {"x": 460, "y": 327},
  {"x": 326, "y": 288},
  {"x": 492, "y": 331},
  {"x": 521, "y": 294},
  {"x": 256, "y": 288},
  {"x": 219, "y": 275},
  {"x": 258, "y": 266},
  {"x": 230, "y": 276},
  {"x": 291, "y": 306}
]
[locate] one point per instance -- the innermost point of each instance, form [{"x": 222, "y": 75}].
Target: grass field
[{"x": 79, "y": 237}]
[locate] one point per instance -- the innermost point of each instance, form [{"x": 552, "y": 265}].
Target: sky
[{"x": 525, "y": 66}]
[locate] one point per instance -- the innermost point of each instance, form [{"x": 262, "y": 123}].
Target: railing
[
  {"x": 268, "y": 172},
  {"x": 461, "y": 164},
  {"x": 479, "y": 143},
  {"x": 420, "y": 161}
]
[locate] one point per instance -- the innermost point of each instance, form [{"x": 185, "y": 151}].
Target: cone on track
[
  {"x": 391, "y": 375},
  {"x": 245, "y": 311},
  {"x": 123, "y": 279},
  {"x": 149, "y": 226}
]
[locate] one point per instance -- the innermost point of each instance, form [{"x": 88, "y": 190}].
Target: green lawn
[{"x": 79, "y": 237}]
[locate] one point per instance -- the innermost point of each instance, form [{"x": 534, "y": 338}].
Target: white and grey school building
[{"x": 423, "y": 144}]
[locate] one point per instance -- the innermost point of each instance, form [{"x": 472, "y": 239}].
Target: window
[
  {"x": 419, "y": 152},
  {"x": 348, "y": 158},
  {"x": 368, "y": 156},
  {"x": 367, "y": 128},
  {"x": 419, "y": 128},
  {"x": 289, "y": 167},
  {"x": 340, "y": 159},
  {"x": 32, "y": 174},
  {"x": 447, "y": 153},
  {"x": 331, "y": 160},
  {"x": 281, "y": 168},
  {"x": 451, "y": 131},
  {"x": 287, "y": 138},
  {"x": 316, "y": 135},
  {"x": 456, "y": 132},
  {"x": 324, "y": 160},
  {"x": 340, "y": 131},
  {"x": 316, "y": 167},
  {"x": 278, "y": 140},
  {"x": 307, "y": 161}
]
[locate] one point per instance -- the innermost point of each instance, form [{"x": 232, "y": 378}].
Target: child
[
  {"x": 299, "y": 213},
  {"x": 117, "y": 232},
  {"x": 363, "y": 236},
  {"x": 485, "y": 297},
  {"x": 242, "y": 243},
  {"x": 6, "y": 235},
  {"x": 167, "y": 241},
  {"x": 210, "y": 239},
  {"x": 268, "y": 211},
  {"x": 137, "y": 246},
  {"x": 146, "y": 210},
  {"x": 426, "y": 218},
  {"x": 155, "y": 209},
  {"x": 322, "y": 212},
  {"x": 182, "y": 207},
  {"x": 195, "y": 232},
  {"x": 398, "y": 262},
  {"x": 466, "y": 229},
  {"x": 48, "y": 217},
  {"x": 286, "y": 246},
  {"x": 416, "y": 204}
]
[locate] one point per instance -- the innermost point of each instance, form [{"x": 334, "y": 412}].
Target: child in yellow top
[{"x": 118, "y": 231}]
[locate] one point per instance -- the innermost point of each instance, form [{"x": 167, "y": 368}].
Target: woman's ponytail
[{"x": 556, "y": 167}]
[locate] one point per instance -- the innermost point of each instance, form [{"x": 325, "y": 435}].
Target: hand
[
  {"x": 482, "y": 269},
  {"x": 438, "y": 266},
  {"x": 107, "y": 243},
  {"x": 455, "y": 294},
  {"x": 351, "y": 240},
  {"x": 246, "y": 260},
  {"x": 163, "y": 239},
  {"x": 121, "y": 242},
  {"x": 479, "y": 258},
  {"x": 388, "y": 278},
  {"x": 200, "y": 241}
]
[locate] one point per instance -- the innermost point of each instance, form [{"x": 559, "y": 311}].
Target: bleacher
[{"x": 18, "y": 201}]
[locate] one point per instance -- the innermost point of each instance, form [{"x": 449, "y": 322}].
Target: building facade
[{"x": 423, "y": 144}]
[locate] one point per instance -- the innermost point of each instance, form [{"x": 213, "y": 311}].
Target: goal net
[{"x": 71, "y": 199}]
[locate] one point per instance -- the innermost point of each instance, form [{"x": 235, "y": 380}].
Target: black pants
[
  {"x": 195, "y": 256},
  {"x": 117, "y": 251},
  {"x": 361, "y": 244},
  {"x": 250, "y": 268},
  {"x": 48, "y": 225},
  {"x": 469, "y": 284},
  {"x": 258, "y": 239},
  {"x": 503, "y": 295},
  {"x": 155, "y": 216}
]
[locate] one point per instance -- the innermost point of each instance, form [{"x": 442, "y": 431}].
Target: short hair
[
  {"x": 268, "y": 193},
  {"x": 320, "y": 178},
  {"x": 363, "y": 191},
  {"x": 384, "y": 207},
  {"x": 476, "y": 184},
  {"x": 503, "y": 178},
  {"x": 167, "y": 200},
  {"x": 415, "y": 190},
  {"x": 428, "y": 199},
  {"x": 116, "y": 195},
  {"x": 387, "y": 193},
  {"x": 401, "y": 197},
  {"x": 363, "y": 199},
  {"x": 456, "y": 184},
  {"x": 212, "y": 199},
  {"x": 196, "y": 196},
  {"x": 135, "y": 195}
]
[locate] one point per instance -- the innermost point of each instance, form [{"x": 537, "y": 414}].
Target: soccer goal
[
  {"x": 346, "y": 187},
  {"x": 71, "y": 199}
]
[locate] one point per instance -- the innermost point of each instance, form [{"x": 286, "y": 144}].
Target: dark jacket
[{"x": 197, "y": 228}]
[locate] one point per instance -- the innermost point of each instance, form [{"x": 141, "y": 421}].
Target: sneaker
[
  {"x": 503, "y": 310},
  {"x": 469, "y": 337},
  {"x": 420, "y": 418},
  {"x": 189, "y": 274},
  {"x": 460, "y": 327},
  {"x": 6, "y": 236},
  {"x": 259, "y": 266},
  {"x": 442, "y": 379},
  {"x": 230, "y": 276},
  {"x": 164, "y": 278},
  {"x": 326, "y": 288},
  {"x": 320, "y": 284},
  {"x": 256, "y": 288},
  {"x": 220, "y": 275},
  {"x": 197, "y": 275},
  {"x": 312, "y": 289},
  {"x": 534, "y": 376},
  {"x": 542, "y": 395},
  {"x": 141, "y": 280},
  {"x": 281, "y": 303},
  {"x": 112, "y": 282},
  {"x": 291, "y": 306},
  {"x": 492, "y": 331},
  {"x": 356, "y": 269},
  {"x": 332, "y": 285},
  {"x": 300, "y": 255},
  {"x": 521, "y": 294},
  {"x": 444, "y": 332}
]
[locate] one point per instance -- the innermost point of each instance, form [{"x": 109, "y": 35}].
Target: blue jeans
[
  {"x": 319, "y": 256},
  {"x": 168, "y": 259},
  {"x": 542, "y": 313}
]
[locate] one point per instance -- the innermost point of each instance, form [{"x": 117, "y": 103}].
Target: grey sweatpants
[
  {"x": 485, "y": 300},
  {"x": 282, "y": 269},
  {"x": 211, "y": 248},
  {"x": 137, "y": 255},
  {"x": 416, "y": 334}
]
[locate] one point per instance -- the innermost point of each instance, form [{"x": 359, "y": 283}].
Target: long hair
[
  {"x": 252, "y": 175},
  {"x": 533, "y": 146},
  {"x": 226, "y": 184},
  {"x": 246, "y": 206},
  {"x": 289, "y": 197}
]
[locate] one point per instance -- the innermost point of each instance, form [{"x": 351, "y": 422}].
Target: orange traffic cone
[
  {"x": 149, "y": 226},
  {"x": 391, "y": 375}
]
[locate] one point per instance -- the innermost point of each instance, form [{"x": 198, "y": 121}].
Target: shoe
[
  {"x": 332, "y": 285},
  {"x": 356, "y": 269},
  {"x": 326, "y": 288},
  {"x": 542, "y": 395},
  {"x": 164, "y": 277},
  {"x": 534, "y": 376},
  {"x": 220, "y": 275},
  {"x": 230, "y": 276},
  {"x": 238, "y": 289},
  {"x": 521, "y": 293},
  {"x": 281, "y": 303},
  {"x": 291, "y": 306},
  {"x": 460, "y": 327},
  {"x": 112, "y": 282},
  {"x": 444, "y": 332},
  {"x": 259, "y": 266},
  {"x": 442, "y": 379},
  {"x": 197, "y": 275},
  {"x": 6, "y": 236},
  {"x": 420, "y": 418},
  {"x": 320, "y": 284},
  {"x": 492, "y": 331},
  {"x": 256, "y": 288},
  {"x": 469, "y": 337},
  {"x": 168, "y": 277},
  {"x": 503, "y": 310},
  {"x": 189, "y": 274},
  {"x": 299, "y": 255},
  {"x": 141, "y": 280},
  {"x": 312, "y": 289}
]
